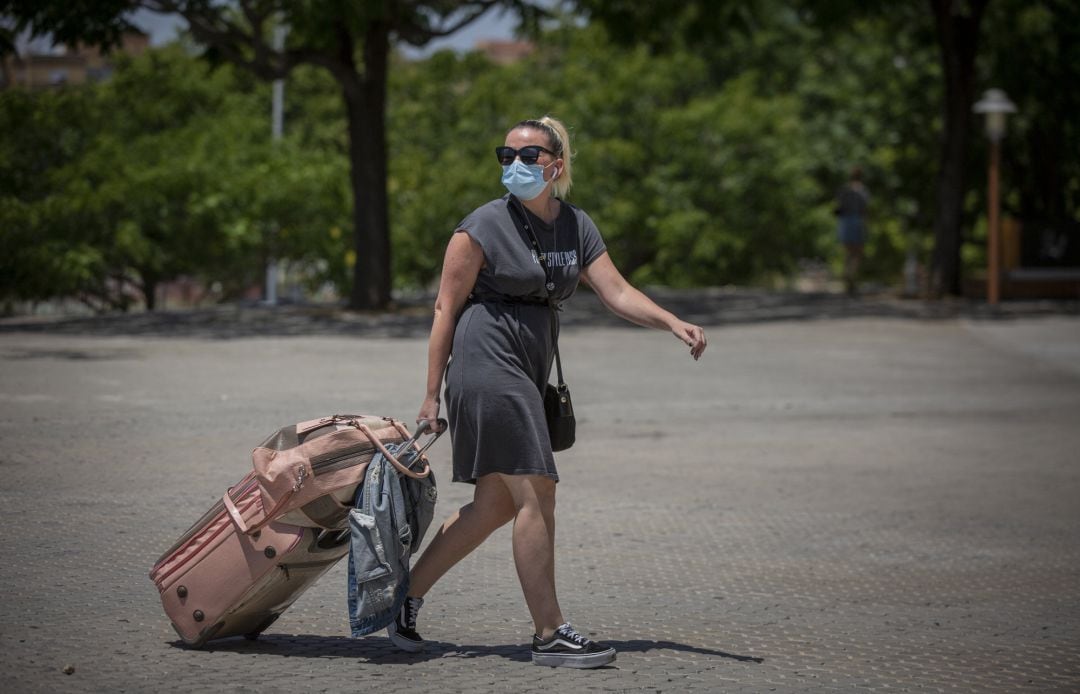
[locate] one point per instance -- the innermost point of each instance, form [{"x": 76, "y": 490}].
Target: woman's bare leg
[
  {"x": 492, "y": 507},
  {"x": 530, "y": 502},
  {"x": 534, "y": 547}
]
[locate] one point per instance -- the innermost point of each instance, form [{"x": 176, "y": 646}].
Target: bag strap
[{"x": 522, "y": 220}]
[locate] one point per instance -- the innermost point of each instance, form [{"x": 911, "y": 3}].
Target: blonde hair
[{"x": 559, "y": 143}]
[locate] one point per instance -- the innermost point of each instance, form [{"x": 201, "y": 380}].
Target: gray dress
[{"x": 503, "y": 348}]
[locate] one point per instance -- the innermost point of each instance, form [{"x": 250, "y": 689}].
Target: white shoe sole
[
  {"x": 402, "y": 642},
  {"x": 577, "y": 661}
]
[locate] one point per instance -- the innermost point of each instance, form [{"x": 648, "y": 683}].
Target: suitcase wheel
[{"x": 254, "y": 633}]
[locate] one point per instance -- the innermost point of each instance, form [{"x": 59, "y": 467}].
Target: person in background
[
  {"x": 493, "y": 338},
  {"x": 852, "y": 202}
]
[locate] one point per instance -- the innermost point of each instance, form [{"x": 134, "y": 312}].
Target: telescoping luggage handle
[
  {"x": 421, "y": 429},
  {"x": 411, "y": 442}
]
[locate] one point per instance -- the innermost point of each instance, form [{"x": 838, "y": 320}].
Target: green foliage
[
  {"x": 708, "y": 153},
  {"x": 692, "y": 180},
  {"x": 1032, "y": 51},
  {"x": 41, "y": 251},
  {"x": 96, "y": 22},
  {"x": 737, "y": 204},
  {"x": 874, "y": 103},
  {"x": 167, "y": 170},
  {"x": 442, "y": 130},
  {"x": 352, "y": 41}
]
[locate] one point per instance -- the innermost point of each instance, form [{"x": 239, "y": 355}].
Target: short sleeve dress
[{"x": 503, "y": 347}]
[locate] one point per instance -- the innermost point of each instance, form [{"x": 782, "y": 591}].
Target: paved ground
[{"x": 841, "y": 495}]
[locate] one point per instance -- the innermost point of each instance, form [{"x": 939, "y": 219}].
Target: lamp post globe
[{"x": 996, "y": 105}]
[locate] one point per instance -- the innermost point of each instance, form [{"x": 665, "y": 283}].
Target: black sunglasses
[{"x": 529, "y": 154}]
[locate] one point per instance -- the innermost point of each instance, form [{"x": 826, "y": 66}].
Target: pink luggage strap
[
  {"x": 234, "y": 513},
  {"x": 237, "y": 518}
]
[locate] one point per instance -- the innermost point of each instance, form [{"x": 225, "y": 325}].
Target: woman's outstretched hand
[{"x": 693, "y": 336}]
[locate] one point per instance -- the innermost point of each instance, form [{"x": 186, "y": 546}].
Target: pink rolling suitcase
[{"x": 278, "y": 530}]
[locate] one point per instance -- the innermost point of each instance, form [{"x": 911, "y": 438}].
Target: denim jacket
[{"x": 392, "y": 512}]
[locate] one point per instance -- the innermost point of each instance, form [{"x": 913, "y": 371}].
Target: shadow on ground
[
  {"x": 411, "y": 318},
  {"x": 380, "y": 650}
]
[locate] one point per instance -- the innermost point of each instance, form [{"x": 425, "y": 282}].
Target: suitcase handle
[
  {"x": 308, "y": 427},
  {"x": 234, "y": 513}
]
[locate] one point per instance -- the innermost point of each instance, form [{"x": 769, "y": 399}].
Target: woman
[
  {"x": 491, "y": 316},
  {"x": 852, "y": 202}
]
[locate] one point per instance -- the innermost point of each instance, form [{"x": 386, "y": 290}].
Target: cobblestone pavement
[{"x": 865, "y": 502}]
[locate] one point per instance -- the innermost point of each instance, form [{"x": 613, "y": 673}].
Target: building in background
[
  {"x": 504, "y": 52},
  {"x": 35, "y": 67}
]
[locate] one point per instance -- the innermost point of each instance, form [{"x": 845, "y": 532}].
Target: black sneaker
[
  {"x": 403, "y": 629},
  {"x": 567, "y": 648}
]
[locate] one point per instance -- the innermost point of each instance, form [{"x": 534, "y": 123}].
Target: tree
[
  {"x": 691, "y": 184},
  {"x": 108, "y": 190},
  {"x": 36, "y": 137},
  {"x": 867, "y": 98},
  {"x": 957, "y": 22},
  {"x": 1041, "y": 153},
  {"x": 351, "y": 40}
]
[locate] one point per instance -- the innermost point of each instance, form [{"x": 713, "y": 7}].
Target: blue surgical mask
[{"x": 526, "y": 182}]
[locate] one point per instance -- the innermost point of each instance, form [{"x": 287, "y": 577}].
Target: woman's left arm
[{"x": 625, "y": 301}]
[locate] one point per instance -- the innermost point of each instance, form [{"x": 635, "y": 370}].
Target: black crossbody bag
[{"x": 558, "y": 408}]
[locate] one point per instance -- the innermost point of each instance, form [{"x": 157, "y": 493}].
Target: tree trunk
[
  {"x": 957, "y": 23},
  {"x": 365, "y": 108}
]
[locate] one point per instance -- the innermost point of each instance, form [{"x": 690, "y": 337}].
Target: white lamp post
[
  {"x": 277, "y": 118},
  {"x": 995, "y": 104}
]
